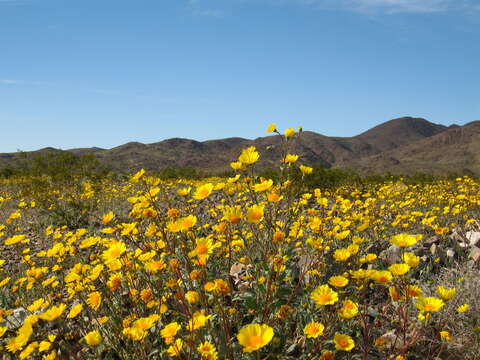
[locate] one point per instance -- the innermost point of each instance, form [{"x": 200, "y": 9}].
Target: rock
[
  {"x": 391, "y": 338},
  {"x": 475, "y": 254},
  {"x": 463, "y": 244},
  {"x": 17, "y": 318},
  {"x": 240, "y": 275},
  {"x": 473, "y": 238},
  {"x": 457, "y": 237},
  {"x": 432, "y": 240},
  {"x": 304, "y": 263},
  {"x": 392, "y": 255}
]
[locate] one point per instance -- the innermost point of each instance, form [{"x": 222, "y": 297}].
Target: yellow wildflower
[
  {"x": 207, "y": 351},
  {"x": 255, "y": 213},
  {"x": 203, "y": 191},
  {"x": 348, "y": 310},
  {"x": 289, "y": 159},
  {"x": 169, "y": 331},
  {"x": 313, "y": 329},
  {"x": 343, "y": 342},
  {"x": 445, "y": 335},
  {"x": 413, "y": 291},
  {"x": 249, "y": 156},
  {"x": 289, "y": 132},
  {"x": 445, "y": 293},
  {"x": 198, "y": 320},
  {"x": 411, "y": 259},
  {"x": 192, "y": 297},
  {"x": 254, "y": 336},
  {"x": 263, "y": 186},
  {"x": 306, "y": 170},
  {"x": 405, "y": 240},
  {"x": 338, "y": 281},
  {"x": 429, "y": 304},
  {"x": 53, "y": 313},
  {"x": 324, "y": 295},
  {"x": 175, "y": 349},
  {"x": 342, "y": 255},
  {"x": 93, "y": 338},
  {"x": 271, "y": 128},
  {"x": 108, "y": 217},
  {"x": 94, "y": 300},
  {"x": 137, "y": 175},
  {"x": 113, "y": 252},
  {"x": 399, "y": 269}
]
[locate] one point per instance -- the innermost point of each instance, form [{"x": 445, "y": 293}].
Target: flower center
[
  {"x": 115, "y": 253},
  {"x": 202, "y": 249},
  {"x": 325, "y": 298},
  {"x": 343, "y": 343},
  {"x": 256, "y": 341}
]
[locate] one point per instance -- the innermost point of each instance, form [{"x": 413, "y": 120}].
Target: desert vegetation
[{"x": 295, "y": 262}]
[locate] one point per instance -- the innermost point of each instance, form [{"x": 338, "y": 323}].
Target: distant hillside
[
  {"x": 398, "y": 132},
  {"x": 457, "y": 149},
  {"x": 403, "y": 145}
]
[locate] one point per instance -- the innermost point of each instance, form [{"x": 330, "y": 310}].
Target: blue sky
[{"x": 102, "y": 72}]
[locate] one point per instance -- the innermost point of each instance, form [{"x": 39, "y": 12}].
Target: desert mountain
[
  {"x": 402, "y": 145},
  {"x": 455, "y": 150},
  {"x": 398, "y": 132}
]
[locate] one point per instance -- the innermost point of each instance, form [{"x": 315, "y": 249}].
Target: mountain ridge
[{"x": 401, "y": 145}]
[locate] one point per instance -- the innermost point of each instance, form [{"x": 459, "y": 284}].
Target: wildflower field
[{"x": 239, "y": 268}]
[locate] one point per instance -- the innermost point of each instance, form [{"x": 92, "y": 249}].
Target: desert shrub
[{"x": 181, "y": 173}]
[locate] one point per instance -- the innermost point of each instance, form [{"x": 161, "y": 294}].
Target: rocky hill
[{"x": 404, "y": 145}]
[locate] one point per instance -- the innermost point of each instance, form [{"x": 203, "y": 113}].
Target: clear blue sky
[{"x": 102, "y": 72}]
